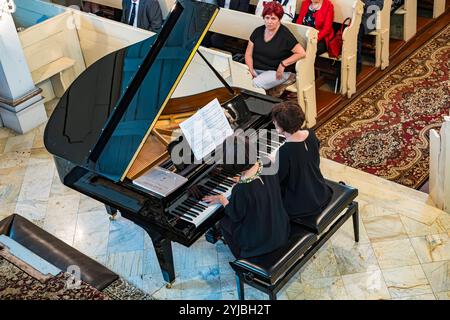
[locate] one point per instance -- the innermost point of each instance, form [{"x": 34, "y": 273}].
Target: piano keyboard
[{"x": 195, "y": 211}]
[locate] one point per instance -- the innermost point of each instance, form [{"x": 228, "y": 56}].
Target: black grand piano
[{"x": 115, "y": 122}]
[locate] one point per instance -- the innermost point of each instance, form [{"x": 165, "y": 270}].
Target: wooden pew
[
  {"x": 344, "y": 9},
  {"x": 438, "y": 8},
  {"x": 439, "y": 168},
  {"x": 100, "y": 36},
  {"x": 408, "y": 16},
  {"x": 53, "y": 54},
  {"x": 381, "y": 34},
  {"x": 241, "y": 25}
]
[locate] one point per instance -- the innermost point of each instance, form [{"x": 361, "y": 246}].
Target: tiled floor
[{"x": 403, "y": 253}]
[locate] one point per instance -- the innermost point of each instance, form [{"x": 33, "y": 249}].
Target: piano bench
[{"x": 270, "y": 272}]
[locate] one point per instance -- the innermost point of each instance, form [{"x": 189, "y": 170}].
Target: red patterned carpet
[{"x": 385, "y": 130}]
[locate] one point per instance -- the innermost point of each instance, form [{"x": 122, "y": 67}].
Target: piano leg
[
  {"x": 163, "y": 249},
  {"x": 112, "y": 212}
]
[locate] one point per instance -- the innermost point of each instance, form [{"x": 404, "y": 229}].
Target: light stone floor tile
[
  {"x": 40, "y": 156},
  {"x": 366, "y": 286},
  {"x": 20, "y": 142},
  {"x": 318, "y": 289},
  {"x": 6, "y": 133},
  {"x": 94, "y": 221},
  {"x": 61, "y": 226},
  {"x": 322, "y": 265},
  {"x": 356, "y": 259},
  {"x": 443, "y": 295},
  {"x": 417, "y": 229},
  {"x": 127, "y": 264},
  {"x": 407, "y": 281},
  {"x": 432, "y": 248},
  {"x": 10, "y": 184},
  {"x": 14, "y": 159},
  {"x": 89, "y": 204},
  {"x": 153, "y": 282},
  {"x": 200, "y": 280},
  {"x": 374, "y": 209},
  {"x": 385, "y": 228},
  {"x": 92, "y": 243},
  {"x": 151, "y": 265},
  {"x": 345, "y": 236},
  {"x": 60, "y": 190},
  {"x": 37, "y": 182},
  {"x": 2, "y": 144},
  {"x": 65, "y": 205},
  {"x": 124, "y": 236},
  {"x": 38, "y": 141},
  {"x": 438, "y": 274},
  {"x": 428, "y": 296},
  {"x": 396, "y": 253},
  {"x": 7, "y": 209},
  {"x": 200, "y": 254},
  {"x": 34, "y": 210}
]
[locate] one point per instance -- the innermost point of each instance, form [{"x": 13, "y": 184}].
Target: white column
[
  {"x": 440, "y": 166},
  {"x": 21, "y": 105}
]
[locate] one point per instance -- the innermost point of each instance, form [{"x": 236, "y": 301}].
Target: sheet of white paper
[
  {"x": 160, "y": 181},
  {"x": 206, "y": 129}
]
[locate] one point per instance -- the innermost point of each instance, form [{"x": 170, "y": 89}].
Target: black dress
[
  {"x": 303, "y": 187},
  {"x": 255, "y": 221}
]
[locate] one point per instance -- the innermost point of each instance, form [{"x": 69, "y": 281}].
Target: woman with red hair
[
  {"x": 318, "y": 14},
  {"x": 272, "y": 52}
]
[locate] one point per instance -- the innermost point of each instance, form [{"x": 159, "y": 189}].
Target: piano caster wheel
[
  {"x": 169, "y": 285},
  {"x": 113, "y": 217}
]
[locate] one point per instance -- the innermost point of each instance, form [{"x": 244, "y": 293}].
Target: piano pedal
[
  {"x": 113, "y": 217},
  {"x": 213, "y": 235}
]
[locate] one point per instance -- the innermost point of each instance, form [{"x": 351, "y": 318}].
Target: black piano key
[
  {"x": 215, "y": 186},
  {"x": 195, "y": 204},
  {"x": 208, "y": 191},
  {"x": 181, "y": 215},
  {"x": 184, "y": 214},
  {"x": 222, "y": 181},
  {"x": 192, "y": 209},
  {"x": 188, "y": 210},
  {"x": 192, "y": 201}
]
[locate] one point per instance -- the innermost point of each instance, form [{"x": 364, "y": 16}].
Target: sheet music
[
  {"x": 206, "y": 129},
  {"x": 160, "y": 181}
]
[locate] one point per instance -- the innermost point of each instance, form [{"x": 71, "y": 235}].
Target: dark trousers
[
  {"x": 321, "y": 47},
  {"x": 359, "y": 45}
]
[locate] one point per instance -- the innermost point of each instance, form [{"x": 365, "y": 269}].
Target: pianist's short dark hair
[
  {"x": 238, "y": 154},
  {"x": 289, "y": 116}
]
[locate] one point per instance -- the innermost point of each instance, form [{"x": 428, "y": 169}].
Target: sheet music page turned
[
  {"x": 206, "y": 129},
  {"x": 160, "y": 181}
]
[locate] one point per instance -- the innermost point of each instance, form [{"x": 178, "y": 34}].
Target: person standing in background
[{"x": 144, "y": 14}]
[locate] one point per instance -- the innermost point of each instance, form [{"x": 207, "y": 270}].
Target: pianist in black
[
  {"x": 255, "y": 221},
  {"x": 303, "y": 187}
]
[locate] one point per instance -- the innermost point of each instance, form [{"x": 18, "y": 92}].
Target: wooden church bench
[
  {"x": 270, "y": 272},
  {"x": 344, "y": 9}
]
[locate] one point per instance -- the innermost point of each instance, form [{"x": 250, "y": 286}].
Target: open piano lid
[{"x": 106, "y": 115}]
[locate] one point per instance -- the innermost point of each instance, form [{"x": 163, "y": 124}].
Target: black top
[
  {"x": 309, "y": 19},
  {"x": 303, "y": 187},
  {"x": 268, "y": 55},
  {"x": 257, "y": 217}
]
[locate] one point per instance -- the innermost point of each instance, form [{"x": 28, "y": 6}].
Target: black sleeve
[
  {"x": 254, "y": 35},
  {"x": 291, "y": 41},
  {"x": 154, "y": 15},
  {"x": 236, "y": 209}
]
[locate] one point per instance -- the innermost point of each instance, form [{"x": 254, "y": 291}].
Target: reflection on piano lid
[{"x": 105, "y": 117}]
